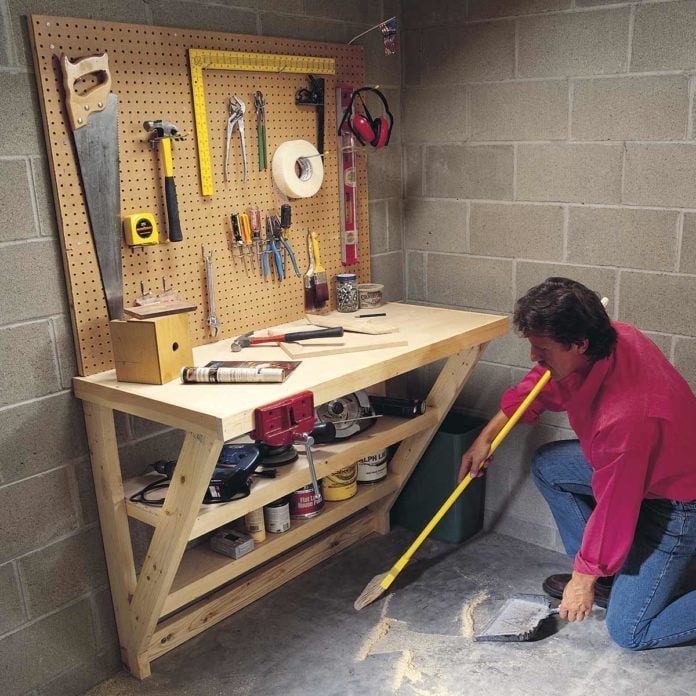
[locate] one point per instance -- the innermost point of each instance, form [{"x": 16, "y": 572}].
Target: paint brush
[
  {"x": 310, "y": 299},
  {"x": 321, "y": 286}
]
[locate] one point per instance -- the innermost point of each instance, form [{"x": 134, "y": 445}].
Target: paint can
[
  {"x": 255, "y": 526},
  {"x": 373, "y": 468},
  {"x": 277, "y": 516},
  {"x": 304, "y": 503},
  {"x": 342, "y": 484}
]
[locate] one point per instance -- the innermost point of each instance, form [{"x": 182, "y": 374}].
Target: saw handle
[
  {"x": 80, "y": 106},
  {"x": 335, "y": 331},
  {"x": 399, "y": 565}
]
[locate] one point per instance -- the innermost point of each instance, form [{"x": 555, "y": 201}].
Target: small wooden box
[{"x": 151, "y": 351}]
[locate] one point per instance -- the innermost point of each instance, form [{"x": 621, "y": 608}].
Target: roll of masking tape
[{"x": 298, "y": 170}]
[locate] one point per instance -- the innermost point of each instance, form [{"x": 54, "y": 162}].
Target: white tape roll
[{"x": 298, "y": 170}]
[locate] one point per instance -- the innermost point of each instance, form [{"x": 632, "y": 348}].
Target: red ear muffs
[{"x": 368, "y": 130}]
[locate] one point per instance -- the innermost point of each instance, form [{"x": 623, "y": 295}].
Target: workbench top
[{"x": 226, "y": 410}]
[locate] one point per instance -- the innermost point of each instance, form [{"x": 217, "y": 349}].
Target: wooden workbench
[{"x": 161, "y": 607}]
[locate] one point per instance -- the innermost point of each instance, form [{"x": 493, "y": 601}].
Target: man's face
[{"x": 557, "y": 358}]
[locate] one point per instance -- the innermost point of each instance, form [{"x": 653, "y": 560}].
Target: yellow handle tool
[{"x": 382, "y": 582}]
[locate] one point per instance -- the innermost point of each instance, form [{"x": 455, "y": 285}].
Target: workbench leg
[
  {"x": 194, "y": 468},
  {"x": 447, "y": 387},
  {"x": 111, "y": 501}
]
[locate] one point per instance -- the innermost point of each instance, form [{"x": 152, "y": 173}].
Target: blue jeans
[{"x": 645, "y": 608}]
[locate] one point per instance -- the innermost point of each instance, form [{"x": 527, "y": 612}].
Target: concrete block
[
  {"x": 141, "y": 427},
  {"x": 95, "y": 669},
  {"x": 532, "y": 231},
  {"x": 137, "y": 457},
  {"x": 44, "y": 198},
  {"x": 578, "y": 43},
  {"x": 657, "y": 302},
  {"x": 519, "y": 110},
  {"x": 19, "y": 221},
  {"x": 175, "y": 13},
  {"x": 486, "y": 9},
  {"x": 660, "y": 174},
  {"x": 378, "y": 226},
  {"x": 413, "y": 171},
  {"x": 685, "y": 359},
  {"x": 395, "y": 224},
  {"x": 569, "y": 172},
  {"x": 389, "y": 270},
  {"x": 480, "y": 52},
  {"x": 20, "y": 116},
  {"x": 602, "y": 280},
  {"x": 58, "y": 642},
  {"x": 481, "y": 394},
  {"x": 384, "y": 173},
  {"x": 300, "y": 27},
  {"x": 469, "y": 171},
  {"x": 631, "y": 108},
  {"x": 6, "y": 52},
  {"x": 510, "y": 349},
  {"x": 663, "y": 37},
  {"x": 380, "y": 69},
  {"x": 360, "y": 11},
  {"x": 471, "y": 282},
  {"x": 662, "y": 341},
  {"x": 12, "y": 612},
  {"x": 63, "y": 571},
  {"x": 35, "y": 512},
  {"x": 503, "y": 522},
  {"x": 415, "y": 276},
  {"x": 82, "y": 470},
  {"x": 19, "y": 265},
  {"x": 435, "y": 225},
  {"x": 105, "y": 622},
  {"x": 420, "y": 381},
  {"x": 40, "y": 435},
  {"x": 432, "y": 117},
  {"x": 687, "y": 257},
  {"x": 411, "y": 60},
  {"x": 626, "y": 237},
  {"x": 33, "y": 371},
  {"x": 422, "y": 13}
]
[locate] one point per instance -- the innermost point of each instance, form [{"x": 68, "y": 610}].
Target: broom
[{"x": 380, "y": 583}]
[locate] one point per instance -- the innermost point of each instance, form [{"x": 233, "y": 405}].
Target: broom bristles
[{"x": 372, "y": 591}]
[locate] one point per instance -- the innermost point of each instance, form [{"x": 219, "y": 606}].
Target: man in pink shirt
[{"x": 624, "y": 493}]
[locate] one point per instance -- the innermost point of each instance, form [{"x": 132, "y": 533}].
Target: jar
[{"x": 347, "y": 292}]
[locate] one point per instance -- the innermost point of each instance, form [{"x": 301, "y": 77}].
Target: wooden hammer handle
[{"x": 80, "y": 106}]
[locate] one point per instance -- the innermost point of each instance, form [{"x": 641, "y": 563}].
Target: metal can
[
  {"x": 373, "y": 468},
  {"x": 255, "y": 525},
  {"x": 342, "y": 484},
  {"x": 304, "y": 503},
  {"x": 277, "y": 516}
]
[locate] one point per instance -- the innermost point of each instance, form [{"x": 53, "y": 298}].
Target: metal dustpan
[{"x": 518, "y": 619}]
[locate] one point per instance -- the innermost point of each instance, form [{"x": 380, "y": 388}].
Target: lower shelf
[{"x": 202, "y": 570}]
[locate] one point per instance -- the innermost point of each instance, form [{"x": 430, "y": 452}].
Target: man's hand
[
  {"x": 578, "y": 597},
  {"x": 477, "y": 457}
]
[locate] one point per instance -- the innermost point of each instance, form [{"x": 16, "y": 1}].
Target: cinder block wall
[
  {"x": 57, "y": 633},
  {"x": 553, "y": 137}
]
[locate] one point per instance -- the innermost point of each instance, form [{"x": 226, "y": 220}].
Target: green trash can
[{"x": 435, "y": 477}]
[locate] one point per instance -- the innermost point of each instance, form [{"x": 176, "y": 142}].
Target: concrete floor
[{"x": 305, "y": 639}]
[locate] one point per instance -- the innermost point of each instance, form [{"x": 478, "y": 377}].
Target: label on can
[
  {"x": 373, "y": 468},
  {"x": 255, "y": 525},
  {"x": 304, "y": 503},
  {"x": 342, "y": 484},
  {"x": 277, "y": 516}
]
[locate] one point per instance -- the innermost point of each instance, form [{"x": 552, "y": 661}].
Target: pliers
[
  {"x": 237, "y": 109},
  {"x": 260, "y": 106},
  {"x": 271, "y": 248},
  {"x": 278, "y": 236}
]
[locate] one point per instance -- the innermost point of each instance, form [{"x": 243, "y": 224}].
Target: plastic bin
[{"x": 435, "y": 477}]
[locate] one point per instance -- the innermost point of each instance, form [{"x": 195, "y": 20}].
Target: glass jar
[{"x": 347, "y": 292}]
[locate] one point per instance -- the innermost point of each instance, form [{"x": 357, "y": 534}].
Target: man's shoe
[{"x": 555, "y": 584}]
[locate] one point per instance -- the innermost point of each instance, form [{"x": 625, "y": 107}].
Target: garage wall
[
  {"x": 57, "y": 633},
  {"x": 549, "y": 137}
]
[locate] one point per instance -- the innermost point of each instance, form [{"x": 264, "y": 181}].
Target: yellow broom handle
[{"x": 399, "y": 565}]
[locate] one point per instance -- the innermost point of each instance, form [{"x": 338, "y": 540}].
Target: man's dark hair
[{"x": 567, "y": 312}]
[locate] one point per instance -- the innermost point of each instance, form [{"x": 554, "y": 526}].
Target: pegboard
[{"x": 150, "y": 76}]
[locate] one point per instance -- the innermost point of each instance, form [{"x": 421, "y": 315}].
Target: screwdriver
[
  {"x": 246, "y": 235},
  {"x": 236, "y": 231}
]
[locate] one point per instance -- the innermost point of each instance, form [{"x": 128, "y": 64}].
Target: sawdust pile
[
  {"x": 468, "y": 614},
  {"x": 378, "y": 633},
  {"x": 405, "y": 668}
]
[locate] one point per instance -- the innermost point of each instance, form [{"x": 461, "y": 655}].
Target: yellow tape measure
[{"x": 201, "y": 59}]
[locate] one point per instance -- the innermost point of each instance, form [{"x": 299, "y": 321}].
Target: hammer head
[
  {"x": 162, "y": 129},
  {"x": 240, "y": 342}
]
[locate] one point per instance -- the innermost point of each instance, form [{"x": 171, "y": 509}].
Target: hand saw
[{"x": 93, "y": 118}]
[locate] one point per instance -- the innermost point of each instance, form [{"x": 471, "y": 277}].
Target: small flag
[{"x": 389, "y": 36}]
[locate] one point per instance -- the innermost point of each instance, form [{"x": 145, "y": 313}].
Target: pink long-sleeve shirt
[{"x": 635, "y": 418}]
